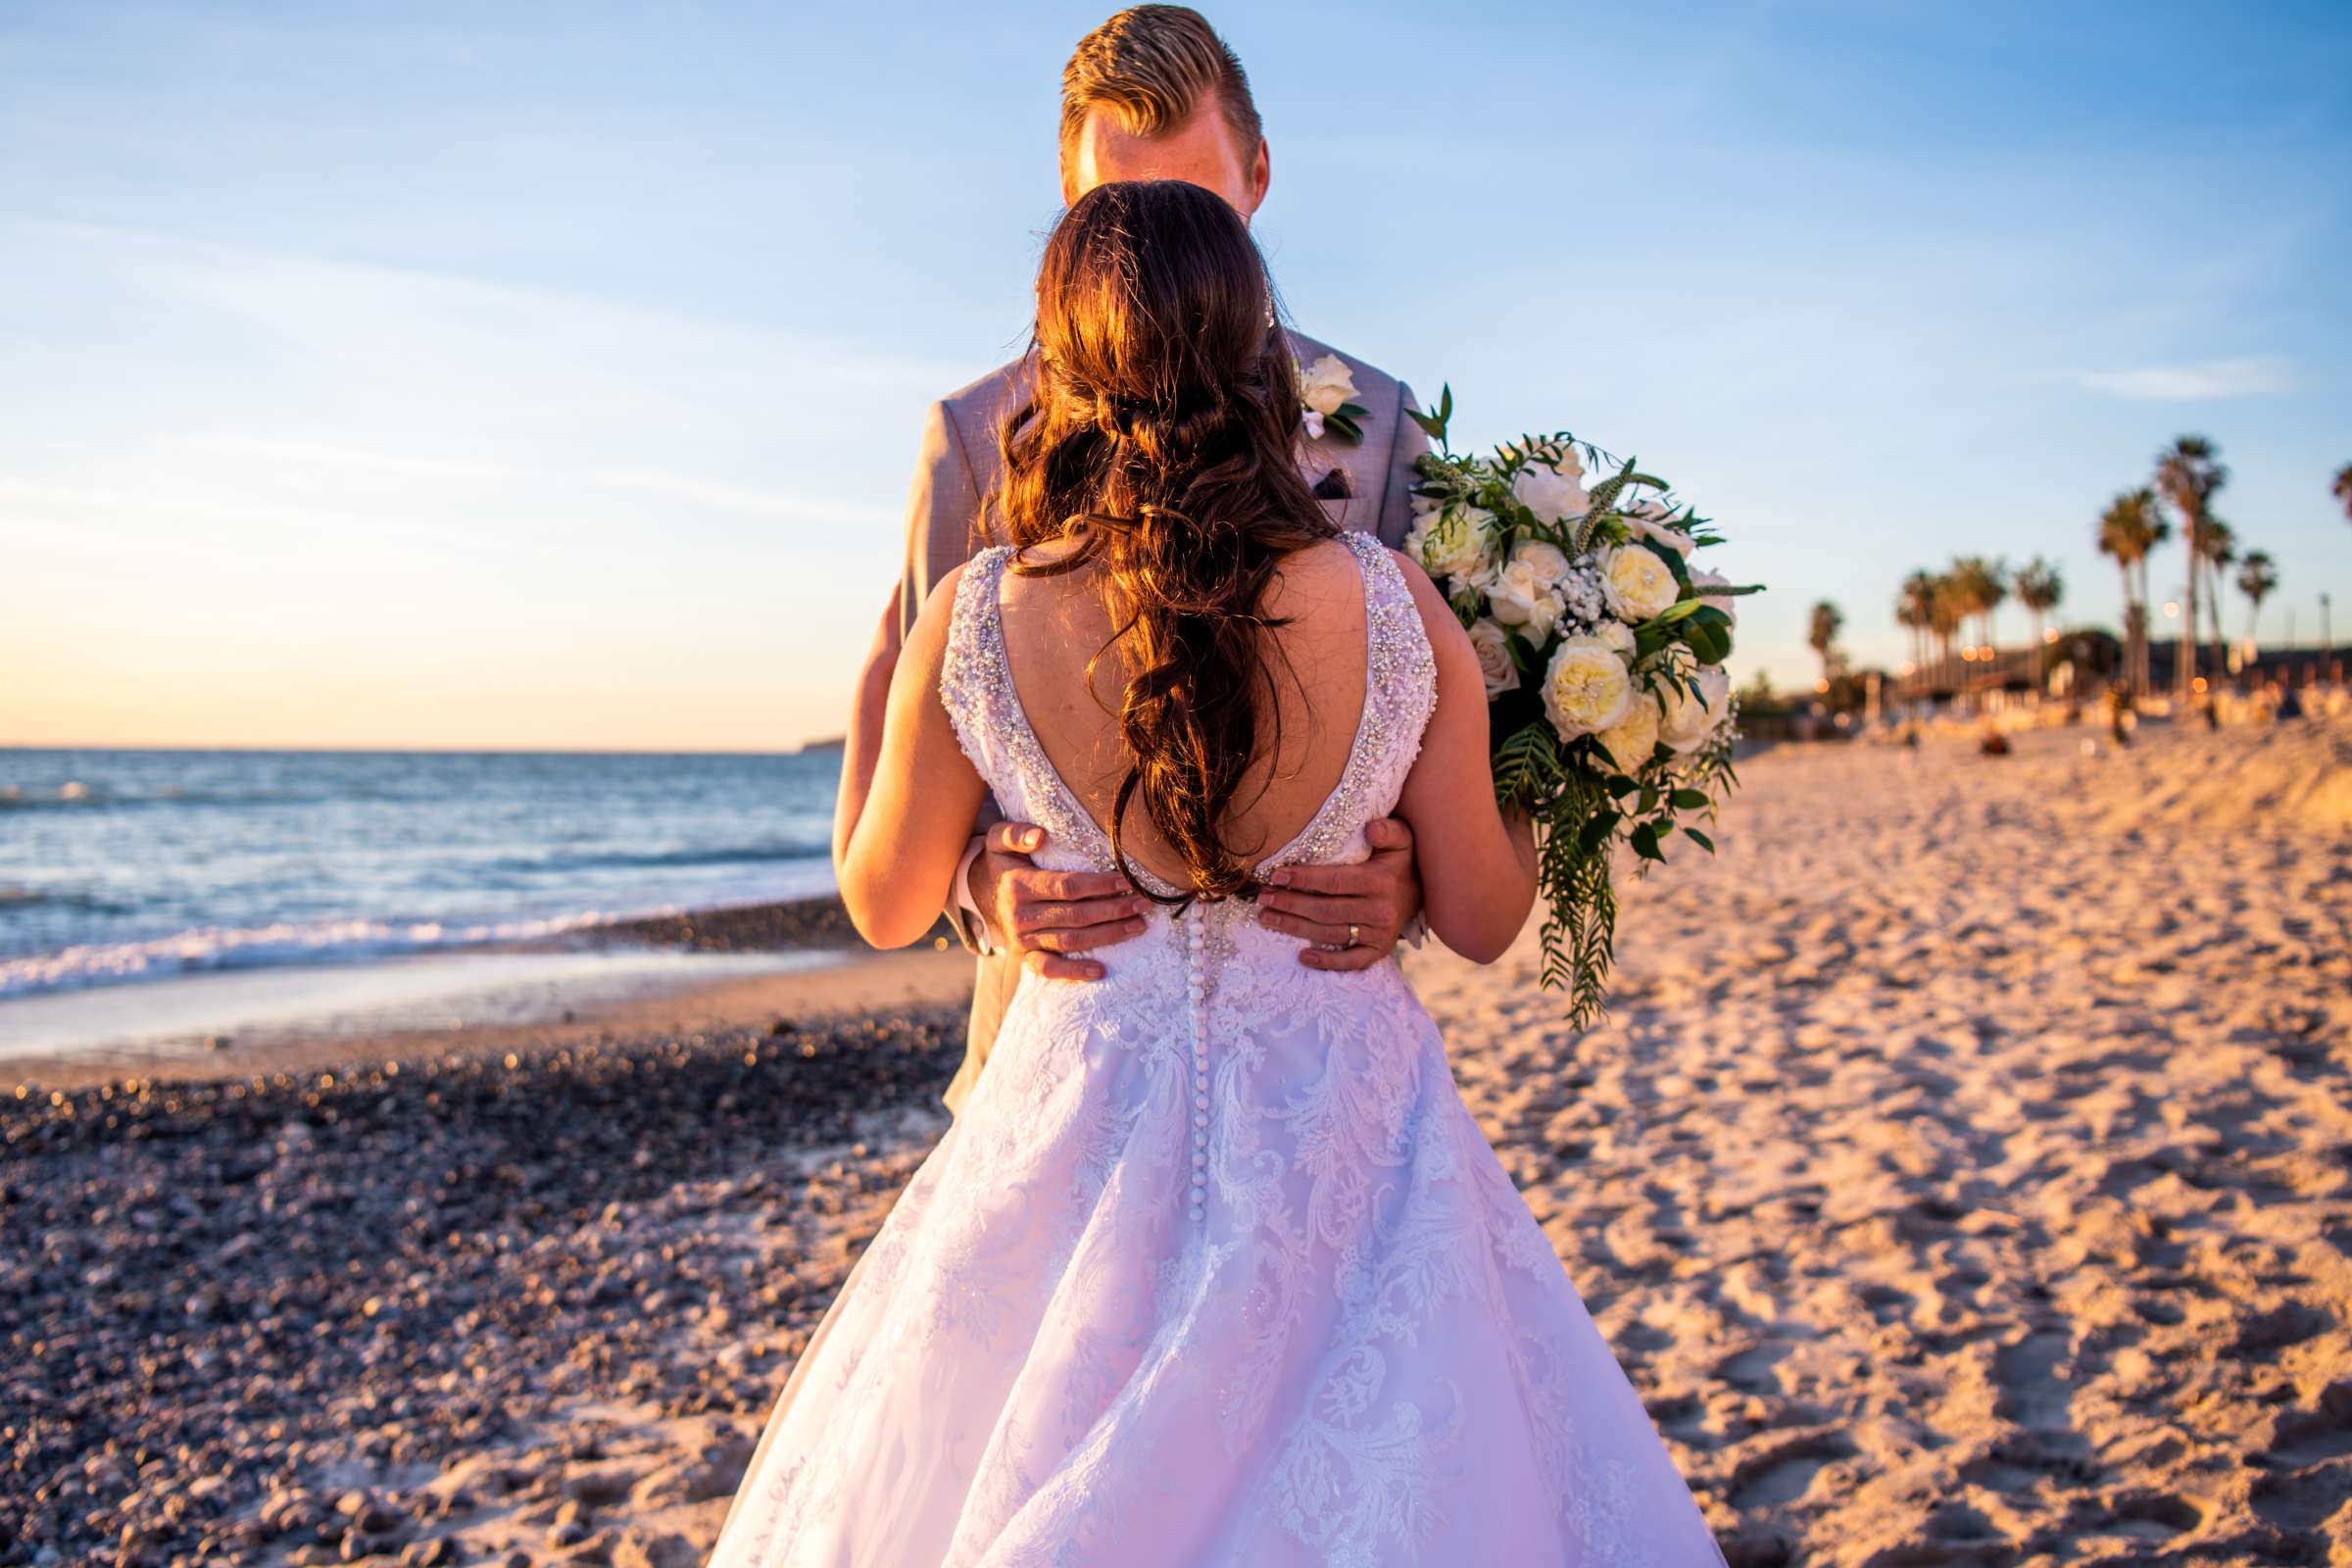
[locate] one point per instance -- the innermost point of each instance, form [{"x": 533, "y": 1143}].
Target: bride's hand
[
  {"x": 1050, "y": 917},
  {"x": 1351, "y": 916}
]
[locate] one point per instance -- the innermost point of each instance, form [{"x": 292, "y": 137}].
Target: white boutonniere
[{"x": 1326, "y": 395}]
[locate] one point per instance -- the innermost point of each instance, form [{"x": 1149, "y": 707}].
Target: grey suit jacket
[{"x": 961, "y": 462}]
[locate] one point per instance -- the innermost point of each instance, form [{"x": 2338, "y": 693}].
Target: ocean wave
[
  {"x": 342, "y": 941},
  {"x": 15, "y": 896},
  {"x": 633, "y": 859},
  {"x": 267, "y": 947},
  {"x": 72, "y": 793},
  {"x": 78, "y": 795}
]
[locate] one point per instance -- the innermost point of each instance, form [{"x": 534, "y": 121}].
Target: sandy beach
[{"x": 1964, "y": 1176}]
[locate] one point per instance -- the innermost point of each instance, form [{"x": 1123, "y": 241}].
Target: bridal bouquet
[{"x": 1603, "y": 653}]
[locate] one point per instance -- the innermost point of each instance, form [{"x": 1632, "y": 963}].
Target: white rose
[
  {"x": 1567, "y": 463},
  {"x": 1548, "y": 562},
  {"x": 1684, "y": 721},
  {"x": 1549, "y": 494},
  {"x": 1722, "y": 601},
  {"x": 1637, "y": 583},
  {"x": 1587, "y": 687},
  {"x": 1493, "y": 647},
  {"x": 1633, "y": 737},
  {"x": 1648, "y": 519},
  {"x": 1521, "y": 598},
  {"x": 1618, "y": 635},
  {"x": 1326, "y": 384},
  {"x": 1452, "y": 543}
]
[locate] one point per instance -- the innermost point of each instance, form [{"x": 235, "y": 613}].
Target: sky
[{"x": 493, "y": 376}]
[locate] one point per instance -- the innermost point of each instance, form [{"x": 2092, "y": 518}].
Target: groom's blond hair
[{"x": 1153, "y": 64}]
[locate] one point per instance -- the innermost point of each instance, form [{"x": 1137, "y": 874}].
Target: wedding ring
[{"x": 1352, "y": 938}]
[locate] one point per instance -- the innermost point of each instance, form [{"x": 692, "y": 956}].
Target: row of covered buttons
[{"x": 1195, "y": 989}]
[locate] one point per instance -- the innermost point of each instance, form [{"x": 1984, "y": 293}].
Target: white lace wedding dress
[{"x": 1214, "y": 1268}]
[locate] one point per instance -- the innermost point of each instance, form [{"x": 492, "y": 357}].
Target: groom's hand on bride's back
[
  {"x": 1351, "y": 916},
  {"x": 1050, "y": 917}
]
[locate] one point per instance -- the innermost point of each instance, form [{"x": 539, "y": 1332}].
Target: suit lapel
[{"x": 1361, "y": 467}]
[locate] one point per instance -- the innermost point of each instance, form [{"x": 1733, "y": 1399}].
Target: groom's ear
[{"x": 1259, "y": 177}]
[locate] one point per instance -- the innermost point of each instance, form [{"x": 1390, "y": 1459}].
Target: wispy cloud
[
  {"x": 327, "y": 454},
  {"x": 740, "y": 498},
  {"x": 2264, "y": 375}
]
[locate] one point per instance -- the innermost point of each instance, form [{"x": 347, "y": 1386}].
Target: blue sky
[{"x": 500, "y": 374}]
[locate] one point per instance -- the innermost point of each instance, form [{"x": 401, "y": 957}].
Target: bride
[{"x": 1214, "y": 1267}]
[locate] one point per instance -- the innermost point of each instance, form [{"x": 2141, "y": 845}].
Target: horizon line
[{"x": 820, "y": 744}]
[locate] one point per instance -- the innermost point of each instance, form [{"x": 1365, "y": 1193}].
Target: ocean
[{"x": 123, "y": 867}]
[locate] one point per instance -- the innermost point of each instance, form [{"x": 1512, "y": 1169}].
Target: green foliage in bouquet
[{"x": 1640, "y": 777}]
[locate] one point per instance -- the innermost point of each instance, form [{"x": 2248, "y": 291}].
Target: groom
[{"x": 1153, "y": 94}]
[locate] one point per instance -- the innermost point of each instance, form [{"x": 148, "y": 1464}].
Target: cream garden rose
[
  {"x": 1552, "y": 494},
  {"x": 1636, "y": 583},
  {"x": 1547, "y": 562},
  {"x": 1587, "y": 687},
  {"x": 1648, "y": 519},
  {"x": 1452, "y": 542},
  {"x": 1685, "y": 723},
  {"x": 1491, "y": 643},
  {"x": 1521, "y": 598},
  {"x": 1631, "y": 740}
]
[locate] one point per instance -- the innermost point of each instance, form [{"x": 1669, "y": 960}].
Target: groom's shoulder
[
  {"x": 979, "y": 407},
  {"x": 1371, "y": 381}
]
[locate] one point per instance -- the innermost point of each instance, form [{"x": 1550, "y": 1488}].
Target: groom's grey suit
[{"x": 959, "y": 466}]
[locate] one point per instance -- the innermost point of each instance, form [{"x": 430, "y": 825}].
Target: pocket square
[{"x": 1334, "y": 486}]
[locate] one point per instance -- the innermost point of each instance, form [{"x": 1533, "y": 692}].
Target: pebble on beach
[{"x": 259, "y": 1284}]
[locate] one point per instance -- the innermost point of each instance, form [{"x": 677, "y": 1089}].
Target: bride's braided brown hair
[{"x": 1160, "y": 436}]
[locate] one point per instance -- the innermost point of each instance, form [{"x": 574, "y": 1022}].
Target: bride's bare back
[{"x": 1054, "y": 624}]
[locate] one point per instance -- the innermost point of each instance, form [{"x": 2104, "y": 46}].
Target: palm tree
[
  {"x": 2189, "y": 472},
  {"x": 1915, "y": 611},
  {"x": 1827, "y": 621},
  {"x": 2343, "y": 487},
  {"x": 1948, "y": 611},
  {"x": 2220, "y": 548},
  {"x": 1980, "y": 585},
  {"x": 2256, "y": 577},
  {"x": 2129, "y": 529},
  {"x": 2039, "y": 587}
]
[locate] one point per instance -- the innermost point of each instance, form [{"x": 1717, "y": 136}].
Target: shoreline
[{"x": 596, "y": 984}]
